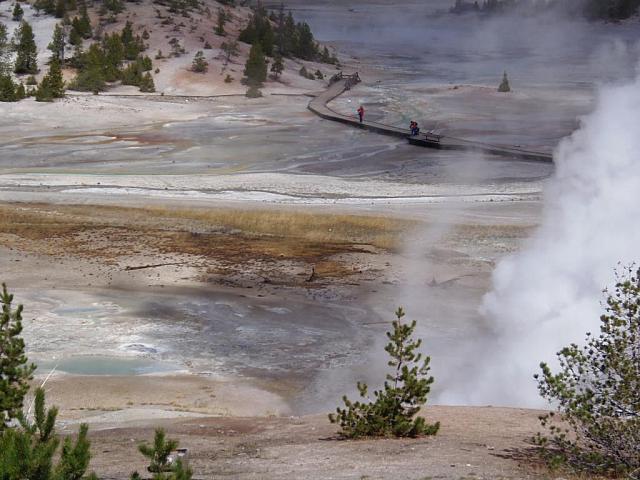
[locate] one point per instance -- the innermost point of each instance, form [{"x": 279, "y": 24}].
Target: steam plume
[{"x": 549, "y": 294}]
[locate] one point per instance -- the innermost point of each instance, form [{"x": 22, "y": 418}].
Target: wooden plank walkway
[{"x": 319, "y": 106}]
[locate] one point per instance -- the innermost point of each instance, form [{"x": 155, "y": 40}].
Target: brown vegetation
[{"x": 225, "y": 241}]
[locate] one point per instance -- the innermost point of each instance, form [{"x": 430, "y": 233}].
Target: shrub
[
  {"x": 306, "y": 74},
  {"x": 89, "y": 80},
  {"x": 393, "y": 411},
  {"x": 176, "y": 48},
  {"x": 228, "y": 79},
  {"x": 253, "y": 92},
  {"x": 596, "y": 390}
]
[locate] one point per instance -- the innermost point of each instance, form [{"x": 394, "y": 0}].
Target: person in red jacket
[{"x": 361, "y": 113}]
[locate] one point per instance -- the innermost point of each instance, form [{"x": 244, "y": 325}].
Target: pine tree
[
  {"x": 259, "y": 30},
  {"x": 199, "y": 64},
  {"x": 75, "y": 38},
  {"x": 52, "y": 85},
  {"x": 133, "y": 45},
  {"x": 57, "y": 43},
  {"x": 113, "y": 51},
  {"x": 84, "y": 22},
  {"x": 75, "y": 456},
  {"x": 405, "y": 390},
  {"x": 280, "y": 23},
  {"x": 277, "y": 67},
  {"x": 306, "y": 47},
  {"x": 49, "y": 6},
  {"x": 61, "y": 8},
  {"x": 7, "y": 94},
  {"x": 289, "y": 35},
  {"x": 146, "y": 83},
  {"x": 5, "y": 51},
  {"x": 159, "y": 463},
  {"x": 504, "y": 85},
  {"x": 222, "y": 20},
  {"x": 18, "y": 12},
  {"x": 21, "y": 93},
  {"x": 15, "y": 371},
  {"x": 147, "y": 64},
  {"x": 89, "y": 79},
  {"x": 255, "y": 69},
  {"x": 230, "y": 50},
  {"x": 27, "y": 452},
  {"x": 26, "y": 58},
  {"x": 596, "y": 390},
  {"x": 158, "y": 453}
]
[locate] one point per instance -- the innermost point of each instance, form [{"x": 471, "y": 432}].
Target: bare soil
[{"x": 473, "y": 443}]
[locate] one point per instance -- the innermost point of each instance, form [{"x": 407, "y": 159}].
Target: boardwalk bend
[{"x": 340, "y": 83}]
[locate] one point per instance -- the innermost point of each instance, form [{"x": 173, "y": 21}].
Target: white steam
[{"x": 548, "y": 295}]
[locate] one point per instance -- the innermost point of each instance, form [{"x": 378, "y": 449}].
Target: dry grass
[
  {"x": 232, "y": 240},
  {"x": 380, "y": 232},
  {"x": 44, "y": 221}
]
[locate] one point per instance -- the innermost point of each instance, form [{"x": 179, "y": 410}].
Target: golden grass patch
[{"x": 234, "y": 238}]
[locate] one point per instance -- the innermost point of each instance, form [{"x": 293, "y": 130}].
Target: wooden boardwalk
[{"x": 342, "y": 83}]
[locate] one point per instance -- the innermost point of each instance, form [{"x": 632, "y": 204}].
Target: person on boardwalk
[{"x": 361, "y": 113}]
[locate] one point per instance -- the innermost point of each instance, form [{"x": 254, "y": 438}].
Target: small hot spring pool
[{"x": 105, "y": 365}]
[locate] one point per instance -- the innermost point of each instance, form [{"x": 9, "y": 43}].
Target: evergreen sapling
[{"x": 393, "y": 410}]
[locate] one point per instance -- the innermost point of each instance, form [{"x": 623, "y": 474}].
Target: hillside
[{"x": 171, "y": 37}]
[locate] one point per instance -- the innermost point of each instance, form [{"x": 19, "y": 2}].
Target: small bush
[
  {"x": 89, "y": 80},
  {"x": 253, "y": 92},
  {"x": 306, "y": 74},
  {"x": 228, "y": 79}
]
